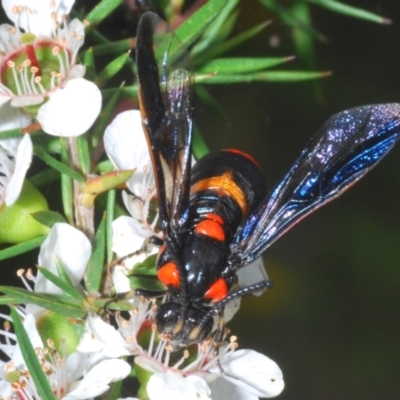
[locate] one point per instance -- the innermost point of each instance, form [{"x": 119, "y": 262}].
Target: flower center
[{"x": 34, "y": 70}]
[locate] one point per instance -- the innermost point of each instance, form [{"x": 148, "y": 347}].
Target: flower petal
[
  {"x": 126, "y": 146},
  {"x": 253, "y": 273},
  {"x": 34, "y": 337},
  {"x": 173, "y": 386},
  {"x": 128, "y": 237},
  {"x": 101, "y": 337},
  {"x": 120, "y": 280},
  {"x": 70, "y": 248},
  {"x": 72, "y": 110},
  {"x": 9, "y": 38},
  {"x": 97, "y": 380},
  {"x": 221, "y": 389},
  {"x": 23, "y": 161},
  {"x": 12, "y": 118},
  {"x": 37, "y": 16},
  {"x": 254, "y": 372},
  {"x": 77, "y": 71}
]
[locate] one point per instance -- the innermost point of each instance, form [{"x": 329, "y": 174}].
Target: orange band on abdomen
[{"x": 224, "y": 185}]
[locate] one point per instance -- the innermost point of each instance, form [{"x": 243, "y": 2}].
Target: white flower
[
  {"x": 79, "y": 376},
  {"x": 127, "y": 148},
  {"x": 15, "y": 159},
  {"x": 83, "y": 374},
  {"x": 103, "y": 339},
  {"x": 246, "y": 373},
  {"x": 68, "y": 247},
  {"x": 241, "y": 374},
  {"x": 174, "y": 386},
  {"x": 39, "y": 70},
  {"x": 254, "y": 373}
]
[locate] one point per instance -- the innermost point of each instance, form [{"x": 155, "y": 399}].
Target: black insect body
[{"x": 216, "y": 217}]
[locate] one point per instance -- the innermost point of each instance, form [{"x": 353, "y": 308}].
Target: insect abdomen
[{"x": 226, "y": 186}]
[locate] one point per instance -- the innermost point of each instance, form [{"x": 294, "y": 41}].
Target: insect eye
[{"x": 217, "y": 291}]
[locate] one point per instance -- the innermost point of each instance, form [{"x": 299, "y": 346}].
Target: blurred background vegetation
[{"x": 331, "y": 321}]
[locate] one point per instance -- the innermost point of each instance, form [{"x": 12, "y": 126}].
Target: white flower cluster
[
  {"x": 66, "y": 105},
  {"x": 88, "y": 372}
]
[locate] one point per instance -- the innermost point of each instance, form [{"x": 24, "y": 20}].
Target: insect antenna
[{"x": 263, "y": 285}]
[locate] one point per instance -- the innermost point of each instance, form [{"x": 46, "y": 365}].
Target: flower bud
[
  {"x": 16, "y": 222},
  {"x": 59, "y": 329}
]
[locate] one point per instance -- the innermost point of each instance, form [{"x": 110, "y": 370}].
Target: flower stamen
[{"x": 30, "y": 51}]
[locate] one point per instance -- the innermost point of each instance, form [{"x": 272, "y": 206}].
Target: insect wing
[
  {"x": 164, "y": 76},
  {"x": 345, "y": 148}
]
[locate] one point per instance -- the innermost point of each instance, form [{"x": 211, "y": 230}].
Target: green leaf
[
  {"x": 227, "y": 26},
  {"x": 241, "y": 65},
  {"x": 62, "y": 274},
  {"x": 125, "y": 92},
  {"x": 114, "y": 392},
  {"x": 67, "y": 190},
  {"x": 288, "y": 18},
  {"x": 351, "y": 11},
  {"x": 45, "y": 177},
  {"x": 144, "y": 275},
  {"x": 62, "y": 304},
  {"x": 200, "y": 147},
  {"x": 194, "y": 26},
  {"x": 97, "y": 37},
  {"x": 111, "y": 69},
  {"x": 218, "y": 30},
  {"x": 48, "y": 218},
  {"x": 304, "y": 42},
  {"x": 11, "y": 133},
  {"x": 83, "y": 153},
  {"x": 104, "y": 166},
  {"x": 271, "y": 76},
  {"x": 111, "y": 195},
  {"x": 103, "y": 183},
  {"x": 65, "y": 286},
  {"x": 102, "y": 10},
  {"x": 101, "y": 304},
  {"x": 95, "y": 267},
  {"x": 21, "y": 248},
  {"x": 148, "y": 282},
  {"x": 229, "y": 44},
  {"x": 31, "y": 359},
  {"x": 57, "y": 165},
  {"x": 104, "y": 119},
  {"x": 303, "y": 39},
  {"x": 117, "y": 47},
  {"x": 101, "y": 203},
  {"x": 90, "y": 65}
]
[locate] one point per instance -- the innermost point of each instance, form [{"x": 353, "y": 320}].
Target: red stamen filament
[{"x": 30, "y": 51}]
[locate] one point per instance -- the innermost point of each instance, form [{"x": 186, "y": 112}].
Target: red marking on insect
[
  {"x": 216, "y": 218},
  {"x": 211, "y": 229},
  {"x": 217, "y": 291},
  {"x": 168, "y": 274},
  {"x": 242, "y": 153}
]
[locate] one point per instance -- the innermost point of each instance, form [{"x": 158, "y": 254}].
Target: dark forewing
[
  {"x": 346, "y": 147},
  {"x": 164, "y": 76}
]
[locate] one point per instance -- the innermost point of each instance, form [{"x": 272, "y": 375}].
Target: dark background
[{"x": 331, "y": 321}]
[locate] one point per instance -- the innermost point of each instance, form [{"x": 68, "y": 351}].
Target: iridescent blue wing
[
  {"x": 345, "y": 148},
  {"x": 165, "y": 78}
]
